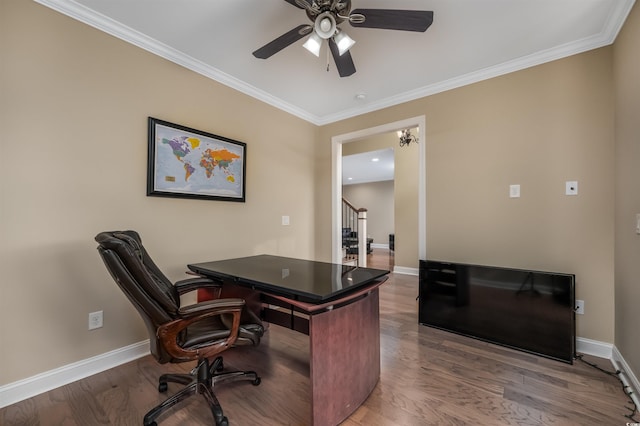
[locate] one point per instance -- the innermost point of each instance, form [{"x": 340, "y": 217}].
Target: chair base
[{"x": 201, "y": 380}]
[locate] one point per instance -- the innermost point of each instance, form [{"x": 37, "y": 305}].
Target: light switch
[
  {"x": 571, "y": 187},
  {"x": 514, "y": 191},
  {"x": 285, "y": 220},
  {"x": 637, "y": 223}
]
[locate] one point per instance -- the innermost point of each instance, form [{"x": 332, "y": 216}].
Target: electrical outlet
[
  {"x": 95, "y": 320},
  {"x": 580, "y": 307}
]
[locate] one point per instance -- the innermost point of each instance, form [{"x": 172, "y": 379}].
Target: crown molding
[
  {"x": 83, "y": 14},
  {"x": 112, "y": 27},
  {"x": 605, "y": 38}
]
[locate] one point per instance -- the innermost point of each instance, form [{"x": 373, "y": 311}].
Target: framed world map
[{"x": 189, "y": 163}]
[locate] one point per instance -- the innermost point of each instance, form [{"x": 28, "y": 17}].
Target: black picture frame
[{"x": 189, "y": 163}]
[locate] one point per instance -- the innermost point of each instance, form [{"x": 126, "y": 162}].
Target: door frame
[{"x": 336, "y": 180}]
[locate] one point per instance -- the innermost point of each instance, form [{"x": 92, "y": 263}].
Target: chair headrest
[{"x": 127, "y": 245}]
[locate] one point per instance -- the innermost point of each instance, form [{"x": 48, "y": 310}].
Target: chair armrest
[
  {"x": 168, "y": 333},
  {"x": 198, "y": 309},
  {"x": 191, "y": 284}
]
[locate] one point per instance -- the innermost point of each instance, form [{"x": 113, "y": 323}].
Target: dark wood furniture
[
  {"x": 335, "y": 305},
  {"x": 179, "y": 333}
]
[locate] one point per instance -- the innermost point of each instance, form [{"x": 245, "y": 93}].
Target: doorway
[
  {"x": 368, "y": 181},
  {"x": 336, "y": 184}
]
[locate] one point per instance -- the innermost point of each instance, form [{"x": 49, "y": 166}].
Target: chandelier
[{"x": 406, "y": 137}]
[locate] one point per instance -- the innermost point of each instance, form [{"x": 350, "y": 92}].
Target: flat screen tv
[{"x": 527, "y": 310}]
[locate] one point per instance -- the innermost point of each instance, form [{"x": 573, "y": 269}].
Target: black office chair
[{"x": 180, "y": 333}]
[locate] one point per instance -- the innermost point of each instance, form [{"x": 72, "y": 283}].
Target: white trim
[
  {"x": 626, "y": 375},
  {"x": 606, "y": 37},
  {"x": 44, "y": 382},
  {"x": 609, "y": 351},
  {"x": 110, "y": 26},
  {"x": 52, "y": 379},
  {"x": 103, "y": 23},
  {"x": 593, "y": 347},
  {"x": 380, "y": 246},
  {"x": 336, "y": 180},
  {"x": 404, "y": 270}
]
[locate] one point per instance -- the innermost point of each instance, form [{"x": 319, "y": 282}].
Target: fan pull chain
[{"x": 327, "y": 59}]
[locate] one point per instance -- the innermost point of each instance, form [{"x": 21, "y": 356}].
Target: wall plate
[
  {"x": 571, "y": 187},
  {"x": 514, "y": 191}
]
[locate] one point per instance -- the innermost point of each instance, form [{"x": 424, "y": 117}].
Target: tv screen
[{"x": 528, "y": 310}]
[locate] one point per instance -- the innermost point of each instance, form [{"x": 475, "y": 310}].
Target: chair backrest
[{"x": 150, "y": 291}]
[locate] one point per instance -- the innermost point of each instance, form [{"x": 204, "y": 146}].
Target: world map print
[{"x": 189, "y": 163}]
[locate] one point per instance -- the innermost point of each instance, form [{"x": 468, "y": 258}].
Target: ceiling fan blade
[
  {"x": 283, "y": 41},
  {"x": 296, "y": 3},
  {"x": 390, "y": 19},
  {"x": 344, "y": 63}
]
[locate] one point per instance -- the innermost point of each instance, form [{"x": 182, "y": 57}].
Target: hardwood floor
[
  {"x": 381, "y": 259},
  {"x": 428, "y": 377}
]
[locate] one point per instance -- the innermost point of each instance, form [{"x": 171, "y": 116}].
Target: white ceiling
[
  {"x": 372, "y": 166},
  {"x": 469, "y": 41}
]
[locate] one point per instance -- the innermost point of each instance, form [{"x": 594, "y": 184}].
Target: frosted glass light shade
[
  {"x": 344, "y": 42},
  {"x": 313, "y": 44}
]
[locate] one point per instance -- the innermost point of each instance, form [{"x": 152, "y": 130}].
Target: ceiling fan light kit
[
  {"x": 313, "y": 44},
  {"x": 326, "y": 15},
  {"x": 325, "y": 25},
  {"x": 343, "y": 41}
]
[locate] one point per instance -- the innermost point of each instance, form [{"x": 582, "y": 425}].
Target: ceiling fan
[{"x": 326, "y": 15}]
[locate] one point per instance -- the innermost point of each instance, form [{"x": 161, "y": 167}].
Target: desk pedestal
[
  {"x": 344, "y": 337},
  {"x": 345, "y": 359}
]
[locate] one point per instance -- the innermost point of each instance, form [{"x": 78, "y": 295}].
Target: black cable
[{"x": 625, "y": 388}]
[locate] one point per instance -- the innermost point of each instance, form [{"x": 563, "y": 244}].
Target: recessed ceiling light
[
  {"x": 361, "y": 96},
  {"x": 375, "y": 159}
]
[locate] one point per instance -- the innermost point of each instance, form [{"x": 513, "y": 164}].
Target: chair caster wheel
[
  {"x": 162, "y": 387},
  {"x": 257, "y": 381}
]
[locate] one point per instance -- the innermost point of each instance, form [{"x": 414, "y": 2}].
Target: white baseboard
[
  {"x": 43, "y": 382},
  {"x": 405, "y": 270},
  {"x": 380, "y": 245},
  {"x": 626, "y": 375},
  {"x": 609, "y": 351},
  {"x": 594, "y": 347}
]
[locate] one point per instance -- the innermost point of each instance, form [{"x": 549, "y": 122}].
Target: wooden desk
[{"x": 340, "y": 316}]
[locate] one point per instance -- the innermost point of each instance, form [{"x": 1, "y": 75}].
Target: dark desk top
[{"x": 298, "y": 279}]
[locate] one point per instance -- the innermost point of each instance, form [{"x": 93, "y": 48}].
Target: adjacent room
[{"x": 510, "y": 133}]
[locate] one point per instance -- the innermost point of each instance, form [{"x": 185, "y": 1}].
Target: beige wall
[
  {"x": 74, "y": 109},
  {"x": 405, "y": 204},
  {"x": 627, "y": 251},
  {"x": 406, "y": 207},
  {"x": 377, "y": 198},
  {"x": 537, "y": 128}
]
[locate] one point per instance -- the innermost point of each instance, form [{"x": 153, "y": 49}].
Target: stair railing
[{"x": 354, "y": 234}]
